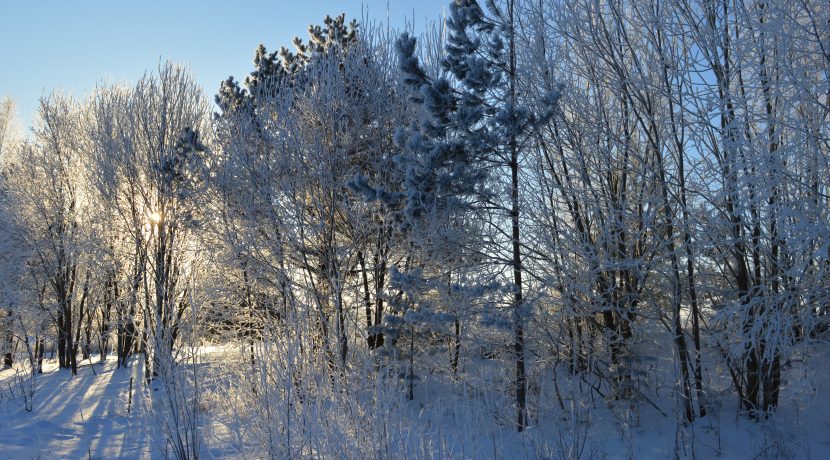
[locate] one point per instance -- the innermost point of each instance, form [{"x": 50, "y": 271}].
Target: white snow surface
[
  {"x": 86, "y": 416},
  {"x": 83, "y": 416}
]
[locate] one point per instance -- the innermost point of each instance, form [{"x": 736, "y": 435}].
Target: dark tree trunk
[
  {"x": 40, "y": 356},
  {"x": 61, "y": 342},
  {"x": 379, "y": 270},
  {"x": 8, "y": 358},
  {"x": 457, "y": 348},
  {"x": 772, "y": 384},
  {"x": 616, "y": 345},
  {"x": 367, "y": 301},
  {"x": 343, "y": 341},
  {"x": 753, "y": 383},
  {"x": 518, "y": 304},
  {"x": 87, "y": 347},
  {"x": 105, "y": 334}
]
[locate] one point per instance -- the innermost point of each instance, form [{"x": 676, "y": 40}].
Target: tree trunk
[
  {"x": 8, "y": 358},
  {"x": 367, "y": 300},
  {"x": 457, "y": 348},
  {"x": 40, "y": 346},
  {"x": 62, "y": 363},
  {"x": 518, "y": 325}
]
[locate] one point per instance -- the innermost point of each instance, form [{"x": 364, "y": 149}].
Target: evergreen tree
[
  {"x": 270, "y": 69},
  {"x": 472, "y": 136}
]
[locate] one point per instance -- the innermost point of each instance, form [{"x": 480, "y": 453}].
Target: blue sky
[{"x": 72, "y": 45}]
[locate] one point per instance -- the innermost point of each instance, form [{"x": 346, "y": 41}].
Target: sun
[{"x": 155, "y": 217}]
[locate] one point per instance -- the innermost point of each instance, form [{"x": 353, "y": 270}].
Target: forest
[{"x": 537, "y": 229}]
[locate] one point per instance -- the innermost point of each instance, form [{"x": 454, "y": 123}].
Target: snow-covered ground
[{"x": 87, "y": 416}]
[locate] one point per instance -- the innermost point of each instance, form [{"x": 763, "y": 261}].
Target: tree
[
  {"x": 277, "y": 69},
  {"x": 46, "y": 184},
  {"x": 475, "y": 132},
  {"x": 637, "y": 181},
  {"x": 147, "y": 167},
  {"x": 761, "y": 145},
  {"x": 8, "y": 129},
  {"x": 6, "y": 141},
  {"x": 322, "y": 117}
]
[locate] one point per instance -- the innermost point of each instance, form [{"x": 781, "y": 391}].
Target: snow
[{"x": 86, "y": 416}]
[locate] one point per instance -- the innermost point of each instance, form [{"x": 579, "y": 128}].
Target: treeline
[{"x": 547, "y": 183}]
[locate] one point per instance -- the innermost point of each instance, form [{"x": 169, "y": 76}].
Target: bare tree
[
  {"x": 8, "y": 128},
  {"x": 148, "y": 153},
  {"x": 46, "y": 183}
]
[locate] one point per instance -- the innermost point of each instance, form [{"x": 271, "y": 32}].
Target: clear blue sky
[{"x": 72, "y": 45}]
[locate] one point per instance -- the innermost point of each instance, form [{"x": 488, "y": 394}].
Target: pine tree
[
  {"x": 271, "y": 69},
  {"x": 473, "y": 135}
]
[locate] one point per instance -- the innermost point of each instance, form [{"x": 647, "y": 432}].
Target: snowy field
[{"x": 92, "y": 416}]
